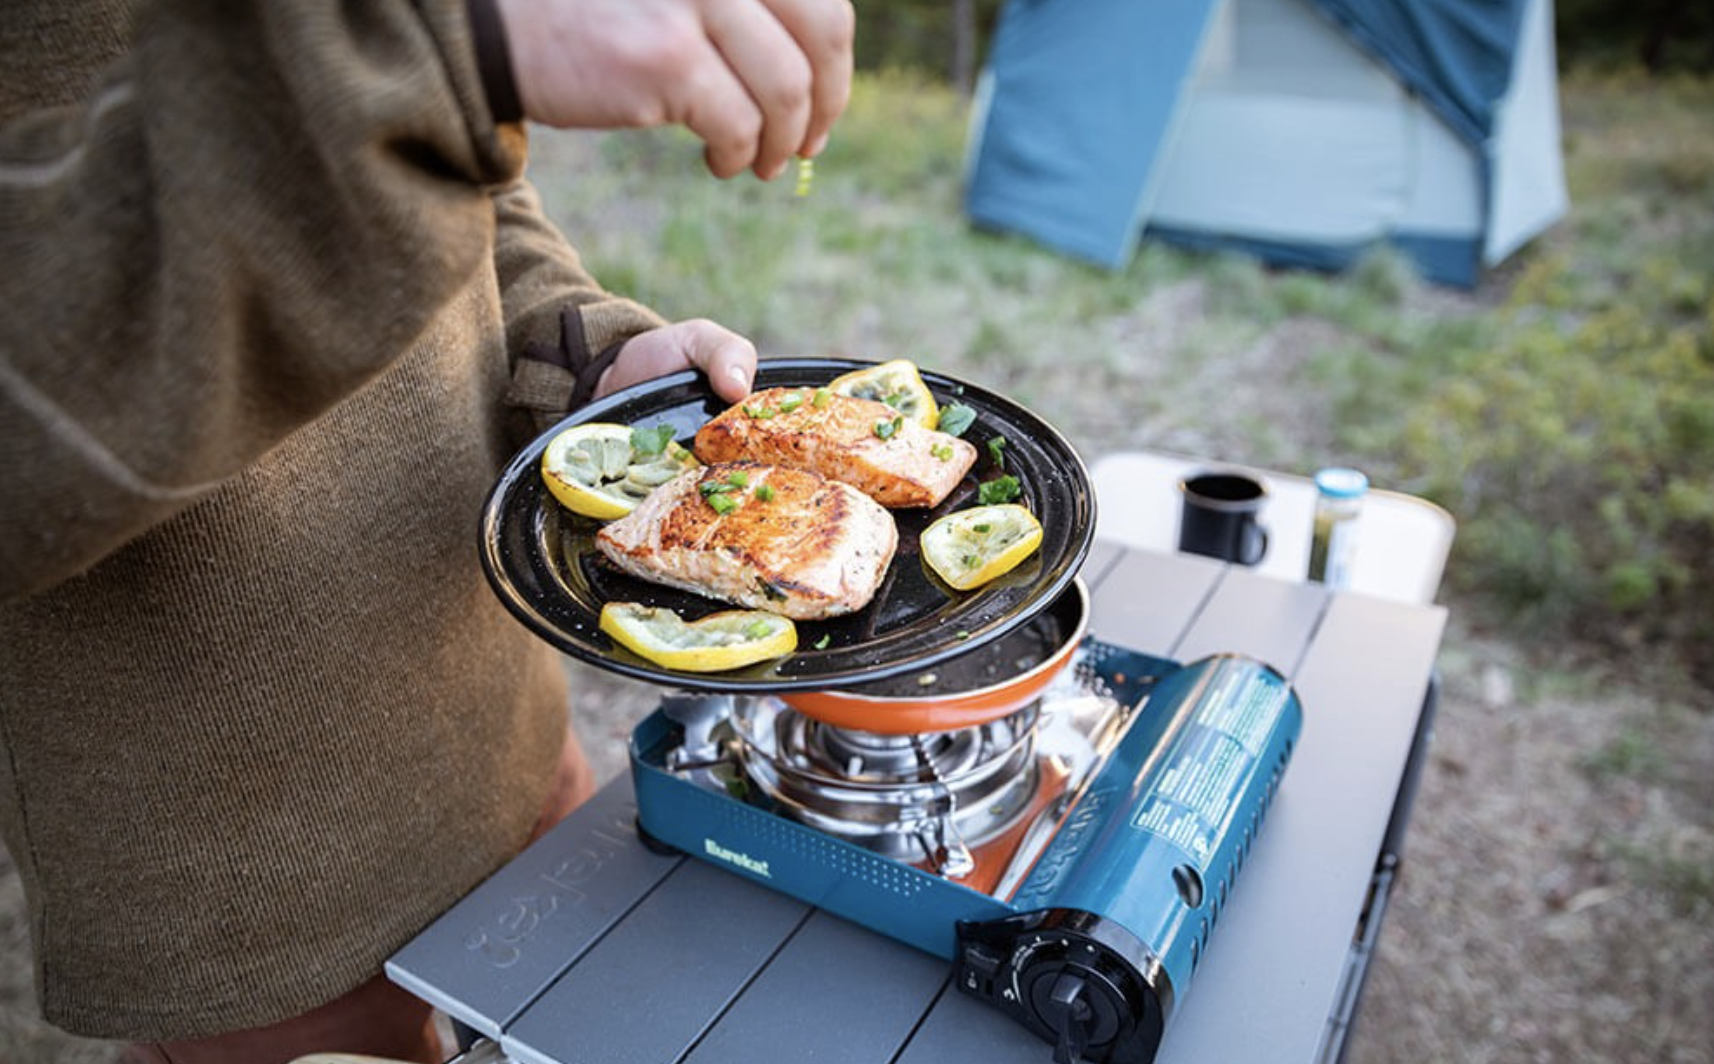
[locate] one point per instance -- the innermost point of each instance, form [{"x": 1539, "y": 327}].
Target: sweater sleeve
[
  {"x": 251, "y": 214},
  {"x": 559, "y": 321}
]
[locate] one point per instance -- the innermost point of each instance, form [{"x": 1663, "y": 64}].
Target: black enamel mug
[{"x": 1221, "y": 517}]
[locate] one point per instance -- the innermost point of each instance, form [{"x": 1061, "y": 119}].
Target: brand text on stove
[{"x": 733, "y": 857}]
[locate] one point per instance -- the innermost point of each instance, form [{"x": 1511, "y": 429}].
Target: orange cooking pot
[{"x": 984, "y": 685}]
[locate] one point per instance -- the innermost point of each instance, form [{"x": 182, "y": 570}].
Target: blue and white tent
[{"x": 1304, "y": 131}]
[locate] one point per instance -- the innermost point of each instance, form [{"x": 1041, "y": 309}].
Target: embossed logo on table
[{"x": 503, "y": 938}]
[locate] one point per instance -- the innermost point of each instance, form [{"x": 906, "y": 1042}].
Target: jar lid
[{"x": 1341, "y": 483}]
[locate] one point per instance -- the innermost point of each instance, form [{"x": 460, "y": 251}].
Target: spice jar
[{"x": 1338, "y": 501}]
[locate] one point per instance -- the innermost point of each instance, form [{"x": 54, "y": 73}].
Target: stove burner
[
  {"x": 867, "y": 757},
  {"x": 920, "y": 798}
]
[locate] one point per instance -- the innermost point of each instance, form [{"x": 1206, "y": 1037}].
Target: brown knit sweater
[{"x": 261, "y": 717}]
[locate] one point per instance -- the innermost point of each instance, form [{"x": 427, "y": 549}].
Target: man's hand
[
  {"x": 725, "y": 358},
  {"x": 758, "y": 80}
]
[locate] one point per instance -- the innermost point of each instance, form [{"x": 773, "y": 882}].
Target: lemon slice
[
  {"x": 971, "y": 547},
  {"x": 721, "y": 641},
  {"x": 895, "y": 383},
  {"x": 598, "y": 470}
]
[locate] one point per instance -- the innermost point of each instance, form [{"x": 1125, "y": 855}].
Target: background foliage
[{"x": 1659, "y": 35}]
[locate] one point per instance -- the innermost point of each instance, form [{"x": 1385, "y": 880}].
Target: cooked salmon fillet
[
  {"x": 860, "y": 442},
  {"x": 789, "y": 541}
]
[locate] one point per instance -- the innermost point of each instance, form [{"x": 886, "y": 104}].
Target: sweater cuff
[
  {"x": 553, "y": 379},
  {"x": 494, "y": 61}
]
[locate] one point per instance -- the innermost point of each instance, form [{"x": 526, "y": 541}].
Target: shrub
[{"x": 1580, "y": 453}]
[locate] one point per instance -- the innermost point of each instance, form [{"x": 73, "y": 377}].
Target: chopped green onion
[
  {"x": 723, "y": 504},
  {"x": 765, "y": 492},
  {"x": 821, "y": 644},
  {"x": 942, "y": 451},
  {"x": 955, "y": 418},
  {"x": 997, "y": 451},
  {"x": 760, "y": 413},
  {"x": 823, "y": 396},
  {"x": 738, "y": 479},
  {"x": 888, "y": 429},
  {"x": 791, "y": 402}
]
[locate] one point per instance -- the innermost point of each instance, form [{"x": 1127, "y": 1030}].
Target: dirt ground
[{"x": 1557, "y": 898}]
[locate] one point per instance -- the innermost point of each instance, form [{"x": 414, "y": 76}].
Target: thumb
[{"x": 725, "y": 358}]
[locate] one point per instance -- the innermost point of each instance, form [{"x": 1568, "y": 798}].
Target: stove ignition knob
[
  {"x": 1078, "y": 1008},
  {"x": 1069, "y": 1014}
]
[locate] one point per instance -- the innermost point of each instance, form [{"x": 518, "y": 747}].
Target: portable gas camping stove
[{"x": 1070, "y": 856}]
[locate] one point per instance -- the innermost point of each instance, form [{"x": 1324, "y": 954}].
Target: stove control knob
[
  {"x": 1070, "y": 1016},
  {"x": 1076, "y": 1008},
  {"x": 1073, "y": 978}
]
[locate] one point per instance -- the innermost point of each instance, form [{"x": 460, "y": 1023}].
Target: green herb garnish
[
  {"x": 722, "y": 503},
  {"x": 821, "y": 644},
  {"x": 997, "y": 451},
  {"x": 942, "y": 451},
  {"x": 823, "y": 396},
  {"x": 955, "y": 418},
  {"x": 998, "y": 490},
  {"x": 738, "y": 479},
  {"x": 765, "y": 492},
  {"x": 791, "y": 402},
  {"x": 651, "y": 441}
]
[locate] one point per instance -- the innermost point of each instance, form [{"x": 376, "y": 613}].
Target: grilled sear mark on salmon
[
  {"x": 860, "y": 442},
  {"x": 786, "y": 540}
]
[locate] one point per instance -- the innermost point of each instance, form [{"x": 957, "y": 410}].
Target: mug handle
[{"x": 1255, "y": 544}]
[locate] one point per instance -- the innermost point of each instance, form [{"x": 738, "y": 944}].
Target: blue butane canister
[{"x": 1113, "y": 918}]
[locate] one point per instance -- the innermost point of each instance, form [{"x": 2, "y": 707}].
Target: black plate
[{"x": 543, "y": 563}]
